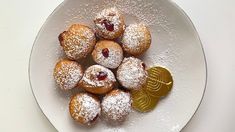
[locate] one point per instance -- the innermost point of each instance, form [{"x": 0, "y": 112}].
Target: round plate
[{"x": 175, "y": 45}]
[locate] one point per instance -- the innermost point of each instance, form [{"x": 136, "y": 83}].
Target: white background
[{"x": 20, "y": 21}]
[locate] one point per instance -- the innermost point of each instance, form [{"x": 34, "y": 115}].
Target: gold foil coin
[
  {"x": 159, "y": 82},
  {"x": 142, "y": 102}
]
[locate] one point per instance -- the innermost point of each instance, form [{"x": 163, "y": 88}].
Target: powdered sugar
[
  {"x": 68, "y": 74},
  {"x": 116, "y": 105},
  {"x": 135, "y": 37},
  {"x": 131, "y": 73},
  {"x": 90, "y": 76},
  {"x": 114, "y": 59},
  {"x": 113, "y": 16},
  {"x": 114, "y": 56},
  {"x": 78, "y": 42},
  {"x": 85, "y": 107}
]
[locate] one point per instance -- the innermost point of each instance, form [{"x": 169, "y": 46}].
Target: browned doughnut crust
[
  {"x": 67, "y": 73},
  {"x": 78, "y": 41},
  {"x": 75, "y": 107},
  {"x": 136, "y": 39}
]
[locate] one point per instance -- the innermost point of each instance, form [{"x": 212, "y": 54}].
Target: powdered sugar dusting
[
  {"x": 131, "y": 73},
  {"x": 148, "y": 12},
  {"x": 113, "y": 16},
  {"x": 85, "y": 107},
  {"x": 114, "y": 59},
  {"x": 135, "y": 37},
  {"x": 78, "y": 42},
  {"x": 115, "y": 54},
  {"x": 90, "y": 76},
  {"x": 144, "y": 11},
  {"x": 68, "y": 75},
  {"x": 116, "y": 105}
]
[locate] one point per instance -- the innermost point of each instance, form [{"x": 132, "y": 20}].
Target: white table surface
[{"x": 20, "y": 21}]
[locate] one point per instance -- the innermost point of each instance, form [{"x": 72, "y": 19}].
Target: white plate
[{"x": 175, "y": 45}]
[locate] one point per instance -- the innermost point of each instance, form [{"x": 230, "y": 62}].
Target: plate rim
[
  {"x": 170, "y": 1},
  {"x": 204, "y": 56}
]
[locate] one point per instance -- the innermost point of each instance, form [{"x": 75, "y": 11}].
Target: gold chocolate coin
[
  {"x": 142, "y": 102},
  {"x": 159, "y": 82}
]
